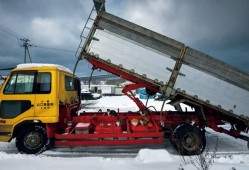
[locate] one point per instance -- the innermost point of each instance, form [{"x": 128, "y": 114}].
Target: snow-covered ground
[{"x": 231, "y": 153}]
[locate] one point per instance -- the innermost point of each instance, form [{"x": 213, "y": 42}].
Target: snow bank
[
  {"x": 123, "y": 103},
  {"x": 149, "y": 155}
]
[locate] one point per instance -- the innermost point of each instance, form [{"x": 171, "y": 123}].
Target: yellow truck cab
[{"x": 35, "y": 98}]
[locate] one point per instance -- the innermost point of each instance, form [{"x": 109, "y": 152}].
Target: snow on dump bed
[{"x": 29, "y": 65}]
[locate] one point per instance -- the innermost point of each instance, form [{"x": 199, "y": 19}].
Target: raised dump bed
[
  {"x": 218, "y": 91},
  {"x": 168, "y": 64}
]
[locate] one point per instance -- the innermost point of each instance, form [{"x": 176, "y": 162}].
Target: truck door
[
  {"x": 17, "y": 101},
  {"x": 45, "y": 105}
]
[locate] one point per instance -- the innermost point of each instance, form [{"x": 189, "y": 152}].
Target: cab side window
[
  {"x": 69, "y": 85},
  {"x": 43, "y": 83},
  {"x": 20, "y": 83}
]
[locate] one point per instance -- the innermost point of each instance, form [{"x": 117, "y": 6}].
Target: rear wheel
[
  {"x": 32, "y": 140},
  {"x": 188, "y": 140}
]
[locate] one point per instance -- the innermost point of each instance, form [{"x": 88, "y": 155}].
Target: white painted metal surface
[
  {"x": 218, "y": 92},
  {"x": 145, "y": 61},
  {"x": 131, "y": 56}
]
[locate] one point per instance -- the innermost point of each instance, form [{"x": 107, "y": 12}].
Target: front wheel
[
  {"x": 188, "y": 140},
  {"x": 31, "y": 140}
]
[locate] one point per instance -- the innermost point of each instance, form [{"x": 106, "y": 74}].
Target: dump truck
[{"x": 40, "y": 103}]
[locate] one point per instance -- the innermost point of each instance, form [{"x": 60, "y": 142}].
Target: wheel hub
[
  {"x": 190, "y": 141},
  {"x": 32, "y": 140}
]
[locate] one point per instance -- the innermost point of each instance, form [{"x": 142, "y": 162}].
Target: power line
[
  {"x": 7, "y": 68},
  {"x": 10, "y": 32},
  {"x": 24, "y": 42},
  {"x": 57, "y": 49}
]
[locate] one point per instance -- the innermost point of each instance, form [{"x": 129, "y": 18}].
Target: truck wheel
[
  {"x": 31, "y": 140},
  {"x": 188, "y": 140}
]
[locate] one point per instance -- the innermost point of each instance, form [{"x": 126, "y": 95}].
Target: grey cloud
[
  {"x": 218, "y": 28},
  {"x": 67, "y": 16}
]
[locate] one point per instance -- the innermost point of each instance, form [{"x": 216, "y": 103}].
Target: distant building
[
  {"x": 106, "y": 90},
  {"x": 103, "y": 84},
  {"x": 99, "y": 79}
]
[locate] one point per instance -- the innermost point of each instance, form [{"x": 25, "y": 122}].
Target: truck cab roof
[{"x": 42, "y": 65}]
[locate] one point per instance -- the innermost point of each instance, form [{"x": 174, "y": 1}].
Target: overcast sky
[{"x": 216, "y": 27}]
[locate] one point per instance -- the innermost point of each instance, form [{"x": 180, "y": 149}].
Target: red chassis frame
[{"x": 103, "y": 129}]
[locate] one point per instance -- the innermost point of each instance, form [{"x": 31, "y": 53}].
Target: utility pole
[{"x": 25, "y": 44}]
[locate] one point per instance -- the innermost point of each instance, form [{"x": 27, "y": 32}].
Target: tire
[
  {"x": 32, "y": 140},
  {"x": 188, "y": 140}
]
